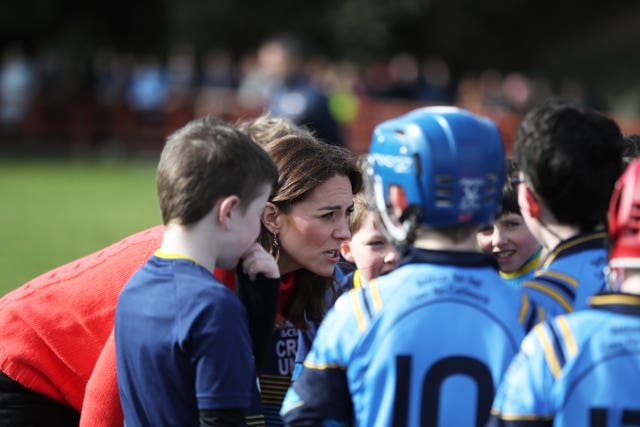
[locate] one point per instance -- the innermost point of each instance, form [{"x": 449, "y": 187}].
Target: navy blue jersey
[
  {"x": 569, "y": 275},
  {"x": 182, "y": 345},
  {"x": 424, "y": 345},
  {"x": 581, "y": 369}
]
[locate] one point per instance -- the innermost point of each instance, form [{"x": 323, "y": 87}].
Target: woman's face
[
  {"x": 509, "y": 240},
  {"x": 311, "y": 233}
]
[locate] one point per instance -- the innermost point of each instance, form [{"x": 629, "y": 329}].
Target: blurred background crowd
[{"x": 63, "y": 91}]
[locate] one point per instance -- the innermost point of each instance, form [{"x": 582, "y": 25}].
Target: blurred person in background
[
  {"x": 282, "y": 59},
  {"x": 17, "y": 86}
]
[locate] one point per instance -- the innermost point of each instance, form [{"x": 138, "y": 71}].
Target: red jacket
[{"x": 57, "y": 328}]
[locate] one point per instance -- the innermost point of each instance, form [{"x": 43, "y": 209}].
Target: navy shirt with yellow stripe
[
  {"x": 428, "y": 341},
  {"x": 581, "y": 369},
  {"x": 569, "y": 275}
]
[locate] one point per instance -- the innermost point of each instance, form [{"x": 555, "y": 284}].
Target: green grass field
[{"x": 54, "y": 211}]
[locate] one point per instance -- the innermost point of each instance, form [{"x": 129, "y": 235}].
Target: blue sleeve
[
  {"x": 524, "y": 397},
  {"x": 320, "y": 395}
]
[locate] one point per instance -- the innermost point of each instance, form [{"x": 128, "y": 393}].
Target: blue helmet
[{"x": 446, "y": 164}]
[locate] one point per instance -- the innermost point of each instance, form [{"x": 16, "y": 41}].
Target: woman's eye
[{"x": 328, "y": 215}]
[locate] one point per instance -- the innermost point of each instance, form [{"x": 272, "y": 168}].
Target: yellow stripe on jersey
[
  {"x": 552, "y": 256},
  {"x": 521, "y": 417},
  {"x": 255, "y": 420},
  {"x": 275, "y": 378},
  {"x": 375, "y": 294},
  {"x": 529, "y": 266},
  {"x": 615, "y": 299},
  {"x": 357, "y": 280},
  {"x": 523, "y": 308},
  {"x": 553, "y": 294},
  {"x": 323, "y": 366},
  {"x": 357, "y": 310},
  {"x": 567, "y": 335},
  {"x": 547, "y": 347},
  {"x": 273, "y": 388},
  {"x": 167, "y": 255},
  {"x": 541, "y": 314},
  {"x": 565, "y": 278}
]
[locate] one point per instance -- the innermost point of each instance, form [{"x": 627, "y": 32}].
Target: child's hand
[{"x": 257, "y": 260}]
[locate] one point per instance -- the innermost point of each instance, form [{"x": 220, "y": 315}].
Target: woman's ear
[
  {"x": 271, "y": 217},
  {"x": 226, "y": 209}
]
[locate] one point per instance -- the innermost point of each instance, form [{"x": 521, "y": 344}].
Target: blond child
[{"x": 368, "y": 249}]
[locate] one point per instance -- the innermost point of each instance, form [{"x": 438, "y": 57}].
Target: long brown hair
[{"x": 303, "y": 164}]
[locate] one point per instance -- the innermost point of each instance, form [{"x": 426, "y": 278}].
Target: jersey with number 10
[{"x": 424, "y": 345}]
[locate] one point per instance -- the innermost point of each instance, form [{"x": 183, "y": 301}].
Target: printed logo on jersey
[{"x": 281, "y": 356}]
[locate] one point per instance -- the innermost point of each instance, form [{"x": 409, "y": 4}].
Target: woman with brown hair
[{"x": 304, "y": 224}]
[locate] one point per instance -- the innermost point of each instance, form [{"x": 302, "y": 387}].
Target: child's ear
[
  {"x": 271, "y": 217},
  {"x": 227, "y": 207},
  {"x": 345, "y": 250},
  {"x": 533, "y": 202},
  {"x": 397, "y": 199}
]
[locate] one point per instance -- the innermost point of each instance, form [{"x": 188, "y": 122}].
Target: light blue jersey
[
  {"x": 569, "y": 275},
  {"x": 424, "y": 345},
  {"x": 580, "y": 369}
]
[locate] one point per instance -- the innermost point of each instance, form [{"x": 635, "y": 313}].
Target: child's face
[
  {"x": 371, "y": 252},
  {"x": 509, "y": 240}
]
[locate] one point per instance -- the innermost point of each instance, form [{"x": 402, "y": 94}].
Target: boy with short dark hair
[
  {"x": 579, "y": 369},
  {"x": 569, "y": 159},
  {"x": 183, "y": 350}
]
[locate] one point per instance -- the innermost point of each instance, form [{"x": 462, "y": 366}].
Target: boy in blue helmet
[
  {"x": 581, "y": 369},
  {"x": 427, "y": 343}
]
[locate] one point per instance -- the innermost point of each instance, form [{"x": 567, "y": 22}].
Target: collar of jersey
[
  {"x": 578, "y": 243},
  {"x": 530, "y": 265},
  {"x": 618, "y": 303},
  {"x": 462, "y": 259},
  {"x": 168, "y": 255}
]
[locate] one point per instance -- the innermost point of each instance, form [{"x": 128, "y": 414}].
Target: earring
[{"x": 275, "y": 247}]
